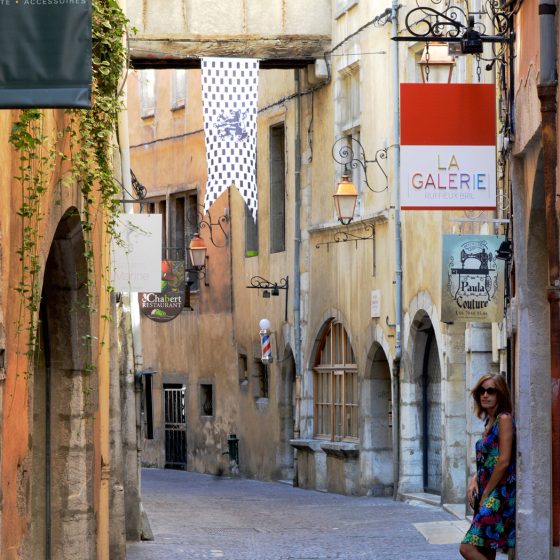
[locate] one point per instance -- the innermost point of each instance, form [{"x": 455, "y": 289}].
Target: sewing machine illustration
[{"x": 479, "y": 280}]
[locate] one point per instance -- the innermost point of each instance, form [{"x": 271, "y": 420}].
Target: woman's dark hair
[{"x": 504, "y": 397}]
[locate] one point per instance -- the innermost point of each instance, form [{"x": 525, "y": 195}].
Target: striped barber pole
[
  {"x": 266, "y": 348},
  {"x": 448, "y": 147}
]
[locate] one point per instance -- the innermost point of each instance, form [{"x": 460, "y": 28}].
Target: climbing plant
[{"x": 89, "y": 135}]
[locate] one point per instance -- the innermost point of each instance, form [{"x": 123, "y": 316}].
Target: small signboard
[
  {"x": 448, "y": 147},
  {"x": 472, "y": 279},
  {"x": 375, "y": 304},
  {"x": 165, "y": 305},
  {"x": 136, "y": 253}
]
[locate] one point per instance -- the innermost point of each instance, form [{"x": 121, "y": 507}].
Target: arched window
[{"x": 336, "y": 386}]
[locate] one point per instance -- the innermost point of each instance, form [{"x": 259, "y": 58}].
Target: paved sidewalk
[{"x": 195, "y": 516}]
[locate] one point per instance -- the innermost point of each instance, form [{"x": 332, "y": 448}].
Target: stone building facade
[{"x": 368, "y": 392}]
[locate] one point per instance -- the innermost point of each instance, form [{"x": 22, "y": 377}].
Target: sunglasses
[{"x": 490, "y": 390}]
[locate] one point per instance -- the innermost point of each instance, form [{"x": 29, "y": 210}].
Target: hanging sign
[
  {"x": 472, "y": 279},
  {"x": 165, "y": 305},
  {"x": 448, "y": 147},
  {"x": 136, "y": 253},
  {"x": 45, "y": 59}
]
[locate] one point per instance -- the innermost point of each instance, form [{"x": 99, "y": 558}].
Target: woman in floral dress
[{"x": 491, "y": 491}]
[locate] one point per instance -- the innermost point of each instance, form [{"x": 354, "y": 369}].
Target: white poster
[{"x": 136, "y": 253}]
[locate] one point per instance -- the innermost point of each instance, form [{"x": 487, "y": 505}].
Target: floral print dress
[{"x": 493, "y": 525}]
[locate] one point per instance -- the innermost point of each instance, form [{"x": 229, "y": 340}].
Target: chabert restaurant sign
[
  {"x": 448, "y": 146},
  {"x": 472, "y": 279},
  {"x": 45, "y": 53},
  {"x": 165, "y": 305}
]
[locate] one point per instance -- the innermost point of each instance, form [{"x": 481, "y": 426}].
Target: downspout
[
  {"x": 297, "y": 251},
  {"x": 398, "y": 247},
  {"x": 547, "y": 95}
]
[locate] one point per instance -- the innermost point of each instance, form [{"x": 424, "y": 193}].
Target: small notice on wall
[
  {"x": 472, "y": 279},
  {"x": 375, "y": 304}
]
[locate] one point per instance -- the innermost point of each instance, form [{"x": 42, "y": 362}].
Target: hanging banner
[
  {"x": 448, "y": 147},
  {"x": 473, "y": 279},
  {"x": 229, "y": 103},
  {"x": 136, "y": 253},
  {"x": 165, "y": 305},
  {"x": 45, "y": 59}
]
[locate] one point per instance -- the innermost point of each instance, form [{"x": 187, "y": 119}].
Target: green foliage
[{"x": 90, "y": 135}]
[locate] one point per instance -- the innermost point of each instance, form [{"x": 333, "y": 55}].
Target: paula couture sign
[
  {"x": 472, "y": 279},
  {"x": 45, "y": 54},
  {"x": 448, "y": 147},
  {"x": 165, "y": 305}
]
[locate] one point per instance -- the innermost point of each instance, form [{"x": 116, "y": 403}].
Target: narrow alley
[{"x": 197, "y": 516}]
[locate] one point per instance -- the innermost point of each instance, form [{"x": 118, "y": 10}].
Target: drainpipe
[
  {"x": 398, "y": 246},
  {"x": 297, "y": 250},
  {"x": 547, "y": 95}
]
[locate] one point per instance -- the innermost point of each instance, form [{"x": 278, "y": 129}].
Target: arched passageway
[{"x": 63, "y": 405}]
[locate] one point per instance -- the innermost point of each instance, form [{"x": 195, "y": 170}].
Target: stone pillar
[
  {"x": 478, "y": 355},
  {"x": 454, "y": 420}
]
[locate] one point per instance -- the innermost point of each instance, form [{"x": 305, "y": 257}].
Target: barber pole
[{"x": 266, "y": 345}]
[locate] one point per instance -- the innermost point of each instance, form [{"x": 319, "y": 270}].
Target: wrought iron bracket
[
  {"x": 206, "y": 222},
  {"x": 271, "y": 289},
  {"x": 450, "y": 23},
  {"x": 353, "y": 155},
  {"x": 139, "y": 189},
  {"x": 366, "y": 234}
]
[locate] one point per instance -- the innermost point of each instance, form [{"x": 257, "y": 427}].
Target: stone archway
[
  {"x": 286, "y": 411},
  {"x": 422, "y": 409},
  {"x": 376, "y": 441},
  {"x": 63, "y": 402}
]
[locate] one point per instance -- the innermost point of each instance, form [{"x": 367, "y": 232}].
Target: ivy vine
[{"x": 90, "y": 135}]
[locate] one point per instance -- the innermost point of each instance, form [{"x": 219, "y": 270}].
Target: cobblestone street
[{"x": 195, "y": 516}]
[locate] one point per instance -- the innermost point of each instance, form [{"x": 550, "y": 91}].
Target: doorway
[
  {"x": 175, "y": 426},
  {"x": 287, "y": 407}
]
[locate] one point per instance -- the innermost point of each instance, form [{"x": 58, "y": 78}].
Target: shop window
[
  {"x": 206, "y": 399},
  {"x": 336, "y": 387},
  {"x": 277, "y": 211}
]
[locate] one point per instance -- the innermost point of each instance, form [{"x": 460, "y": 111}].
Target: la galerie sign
[{"x": 448, "y": 147}]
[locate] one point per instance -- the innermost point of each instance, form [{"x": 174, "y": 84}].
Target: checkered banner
[{"x": 229, "y": 101}]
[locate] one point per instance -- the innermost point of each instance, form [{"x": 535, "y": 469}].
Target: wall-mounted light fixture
[
  {"x": 349, "y": 152},
  {"x": 197, "y": 218},
  {"x": 198, "y": 256},
  {"x": 436, "y": 64},
  {"x": 271, "y": 289}
]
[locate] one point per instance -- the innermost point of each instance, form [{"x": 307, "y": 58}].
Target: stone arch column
[
  {"x": 63, "y": 404},
  {"x": 376, "y": 441},
  {"x": 532, "y": 368},
  {"x": 421, "y": 320}
]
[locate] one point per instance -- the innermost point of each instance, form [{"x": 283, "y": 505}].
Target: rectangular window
[
  {"x": 261, "y": 375},
  {"x": 277, "y": 189},
  {"x": 147, "y": 93},
  {"x": 206, "y": 399},
  {"x": 251, "y": 234},
  {"x": 178, "y": 89}
]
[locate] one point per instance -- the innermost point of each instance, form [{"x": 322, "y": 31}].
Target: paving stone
[{"x": 195, "y": 516}]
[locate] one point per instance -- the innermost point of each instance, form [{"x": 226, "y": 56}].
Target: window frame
[{"x": 335, "y": 387}]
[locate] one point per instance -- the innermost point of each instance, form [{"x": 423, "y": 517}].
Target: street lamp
[
  {"x": 345, "y": 200},
  {"x": 436, "y": 63},
  {"x": 197, "y": 252}
]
